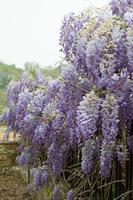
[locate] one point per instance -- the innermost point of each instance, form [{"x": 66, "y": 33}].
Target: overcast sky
[{"x": 30, "y": 28}]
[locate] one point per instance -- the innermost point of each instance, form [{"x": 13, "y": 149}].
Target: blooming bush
[{"x": 74, "y": 127}]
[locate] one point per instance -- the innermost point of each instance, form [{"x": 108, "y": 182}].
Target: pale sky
[{"x": 30, "y": 28}]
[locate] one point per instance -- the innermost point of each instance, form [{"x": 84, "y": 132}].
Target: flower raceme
[{"x": 86, "y": 107}]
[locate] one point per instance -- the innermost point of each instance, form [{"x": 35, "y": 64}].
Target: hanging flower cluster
[{"x": 86, "y": 106}]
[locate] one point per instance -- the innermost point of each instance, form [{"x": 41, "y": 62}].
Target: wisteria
[
  {"x": 109, "y": 114},
  {"x": 90, "y": 155},
  {"x": 56, "y": 193},
  {"x": 88, "y": 115},
  {"x": 40, "y": 177},
  {"x": 70, "y": 195},
  {"x": 84, "y": 117}
]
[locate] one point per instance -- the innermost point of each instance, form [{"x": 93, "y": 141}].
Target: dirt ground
[{"x": 12, "y": 184}]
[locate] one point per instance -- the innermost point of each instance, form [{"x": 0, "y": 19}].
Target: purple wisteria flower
[
  {"x": 90, "y": 155},
  {"x": 70, "y": 195},
  {"x": 119, "y": 7},
  {"x": 57, "y": 193},
  {"x": 40, "y": 177},
  {"x": 70, "y": 26},
  {"x": 128, "y": 17},
  {"x": 110, "y": 120},
  {"x": 88, "y": 115}
]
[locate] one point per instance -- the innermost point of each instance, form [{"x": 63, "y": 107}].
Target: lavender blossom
[
  {"x": 119, "y": 7},
  {"x": 71, "y": 25},
  {"x": 110, "y": 120},
  {"x": 90, "y": 155},
  {"x": 70, "y": 195},
  {"x": 57, "y": 193},
  {"x": 88, "y": 115}
]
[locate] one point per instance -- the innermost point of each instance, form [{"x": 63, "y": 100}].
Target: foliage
[
  {"x": 8, "y": 73},
  {"x": 51, "y": 72},
  {"x": 2, "y": 100}
]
